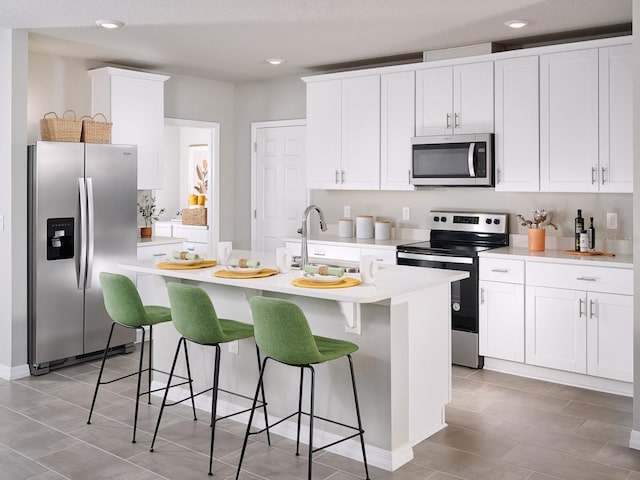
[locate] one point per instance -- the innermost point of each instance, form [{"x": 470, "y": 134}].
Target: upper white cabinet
[
  {"x": 569, "y": 121},
  {"x": 517, "y": 131},
  {"x": 454, "y": 99},
  {"x": 397, "y": 126},
  {"x": 134, "y": 102},
  {"x": 343, "y": 125},
  {"x": 616, "y": 120}
]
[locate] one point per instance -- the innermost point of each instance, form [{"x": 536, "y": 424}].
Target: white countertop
[
  {"x": 156, "y": 240},
  {"x": 558, "y": 256},
  {"x": 354, "y": 242},
  {"x": 391, "y": 281}
]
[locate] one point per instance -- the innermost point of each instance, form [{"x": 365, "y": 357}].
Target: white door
[
  {"x": 473, "y": 98},
  {"x": 502, "y": 320},
  {"x": 434, "y": 101},
  {"x": 280, "y": 196}
]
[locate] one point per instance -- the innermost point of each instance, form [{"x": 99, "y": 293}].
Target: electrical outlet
[
  {"x": 612, "y": 221},
  {"x": 406, "y": 213},
  {"x": 347, "y": 211},
  {"x": 233, "y": 347}
]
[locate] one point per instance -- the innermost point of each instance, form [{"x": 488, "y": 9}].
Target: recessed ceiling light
[
  {"x": 517, "y": 23},
  {"x": 275, "y": 61},
  {"x": 110, "y": 23}
]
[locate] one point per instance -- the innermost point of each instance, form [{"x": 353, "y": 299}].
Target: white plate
[
  {"x": 314, "y": 277},
  {"x": 244, "y": 269},
  {"x": 179, "y": 261}
]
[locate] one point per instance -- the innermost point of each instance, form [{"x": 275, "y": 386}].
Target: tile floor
[{"x": 501, "y": 427}]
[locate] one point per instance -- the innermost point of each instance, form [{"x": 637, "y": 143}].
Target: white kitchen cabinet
[
  {"x": 580, "y": 319},
  {"x": 615, "y": 173},
  {"x": 397, "y": 126},
  {"x": 569, "y": 121},
  {"x": 343, "y": 125},
  {"x": 134, "y": 103},
  {"x": 327, "y": 252},
  {"x": 455, "y": 99},
  {"x": 517, "y": 133},
  {"x": 501, "y": 309},
  {"x": 383, "y": 256}
]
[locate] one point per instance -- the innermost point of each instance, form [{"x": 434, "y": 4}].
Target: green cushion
[
  {"x": 195, "y": 317},
  {"x": 282, "y": 333},
  {"x": 123, "y": 304}
]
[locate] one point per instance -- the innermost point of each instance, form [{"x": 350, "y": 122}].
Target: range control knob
[
  {"x": 443, "y": 219},
  {"x": 488, "y": 221},
  {"x": 455, "y": 306},
  {"x": 436, "y": 219},
  {"x": 496, "y": 221}
]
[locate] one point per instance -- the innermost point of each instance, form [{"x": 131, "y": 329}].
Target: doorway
[{"x": 278, "y": 183}]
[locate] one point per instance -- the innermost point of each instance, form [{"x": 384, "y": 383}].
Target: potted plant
[
  {"x": 540, "y": 219},
  {"x": 147, "y": 208}
]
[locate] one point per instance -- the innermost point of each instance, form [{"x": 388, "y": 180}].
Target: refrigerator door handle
[
  {"x": 83, "y": 233},
  {"x": 91, "y": 231}
]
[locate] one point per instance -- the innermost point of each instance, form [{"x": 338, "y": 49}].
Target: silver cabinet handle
[
  {"x": 580, "y": 312},
  {"x": 319, "y": 254},
  {"x": 586, "y": 279},
  {"x": 336, "y": 176},
  {"x": 342, "y": 177},
  {"x": 592, "y": 308},
  {"x": 482, "y": 296},
  {"x": 498, "y": 175},
  {"x": 448, "y": 120},
  {"x": 456, "y": 120},
  {"x": 500, "y": 270},
  {"x": 409, "y": 176},
  {"x": 594, "y": 175},
  {"x": 602, "y": 178}
]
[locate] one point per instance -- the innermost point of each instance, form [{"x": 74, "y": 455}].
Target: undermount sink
[{"x": 348, "y": 268}]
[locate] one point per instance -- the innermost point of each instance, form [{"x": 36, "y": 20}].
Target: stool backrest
[
  {"x": 122, "y": 301},
  {"x": 193, "y": 314},
  {"x": 282, "y": 332}
]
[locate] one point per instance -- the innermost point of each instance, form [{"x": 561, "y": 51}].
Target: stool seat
[{"x": 157, "y": 314}]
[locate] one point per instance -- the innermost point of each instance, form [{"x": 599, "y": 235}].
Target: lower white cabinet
[{"x": 319, "y": 251}]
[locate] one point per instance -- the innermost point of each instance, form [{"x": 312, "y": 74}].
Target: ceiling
[{"x": 231, "y": 39}]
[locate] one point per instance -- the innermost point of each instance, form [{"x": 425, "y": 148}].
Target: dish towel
[
  {"x": 243, "y": 263},
  {"x": 182, "y": 255},
  {"x": 324, "y": 270}
]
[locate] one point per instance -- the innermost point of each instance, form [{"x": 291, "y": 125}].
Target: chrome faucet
[{"x": 304, "y": 255}]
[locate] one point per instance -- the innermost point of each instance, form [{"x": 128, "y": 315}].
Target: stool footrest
[{"x": 248, "y": 409}]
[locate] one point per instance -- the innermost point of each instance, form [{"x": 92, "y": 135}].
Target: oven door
[{"x": 464, "y": 293}]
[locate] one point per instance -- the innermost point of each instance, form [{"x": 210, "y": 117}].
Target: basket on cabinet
[
  {"x": 60, "y": 129},
  {"x": 194, "y": 216},
  {"x": 95, "y": 131}
]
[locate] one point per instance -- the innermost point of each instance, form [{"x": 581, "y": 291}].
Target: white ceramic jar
[{"x": 364, "y": 226}]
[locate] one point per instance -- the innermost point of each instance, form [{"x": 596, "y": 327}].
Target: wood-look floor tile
[
  {"x": 19, "y": 397},
  {"x": 520, "y": 397},
  {"x": 459, "y": 371},
  {"x": 469, "y": 402},
  {"x": 591, "y": 396},
  {"x": 481, "y": 422},
  {"x": 81, "y": 394},
  {"x": 465, "y": 465},
  {"x": 606, "y": 432},
  {"x": 535, "y": 416},
  {"x": 443, "y": 476},
  {"x": 542, "y": 476},
  {"x": 466, "y": 385},
  {"x": 601, "y": 414},
  {"x": 33, "y": 439},
  {"x": 59, "y": 414},
  {"x": 513, "y": 381},
  {"x": 482, "y": 444},
  {"x": 354, "y": 468},
  {"x": 551, "y": 462},
  {"x": 46, "y": 383},
  {"x": 633, "y": 476},
  {"x": 409, "y": 471},
  {"x": 617, "y": 456},
  {"x": 18, "y": 467},
  {"x": 9, "y": 417}
]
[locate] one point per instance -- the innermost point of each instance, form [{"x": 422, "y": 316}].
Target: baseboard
[
  {"x": 377, "y": 457},
  {"x": 634, "y": 440},
  {"x": 14, "y": 373}
]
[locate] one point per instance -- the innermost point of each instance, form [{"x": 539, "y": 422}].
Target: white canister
[
  {"x": 383, "y": 230},
  {"x": 345, "y": 228},
  {"x": 364, "y": 226}
]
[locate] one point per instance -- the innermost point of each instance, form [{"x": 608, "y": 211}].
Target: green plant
[{"x": 147, "y": 208}]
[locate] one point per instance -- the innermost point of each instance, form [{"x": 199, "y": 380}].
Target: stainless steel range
[{"x": 456, "y": 240}]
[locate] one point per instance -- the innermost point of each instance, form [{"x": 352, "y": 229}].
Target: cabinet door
[
  {"x": 397, "y": 126},
  {"x": 361, "y": 133},
  {"x": 569, "y": 121},
  {"x": 616, "y": 119},
  {"x": 610, "y": 336},
  {"x": 324, "y": 134},
  {"x": 501, "y": 326},
  {"x": 434, "y": 101},
  {"x": 473, "y": 98},
  {"x": 137, "y": 113},
  {"x": 556, "y": 330},
  {"x": 517, "y": 132}
]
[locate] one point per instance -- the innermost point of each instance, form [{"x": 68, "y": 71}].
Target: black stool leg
[
  {"x": 264, "y": 401},
  {"x": 135, "y": 415},
  {"x": 214, "y": 405},
  {"x": 253, "y": 409},
  {"x": 193, "y": 402},
  {"x": 311, "y": 404},
  {"x": 355, "y": 397},
  {"x": 166, "y": 392},
  {"x": 150, "y": 361},
  {"x": 104, "y": 359},
  {"x": 299, "y": 411}
]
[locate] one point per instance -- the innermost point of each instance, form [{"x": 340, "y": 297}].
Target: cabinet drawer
[
  {"x": 147, "y": 253},
  {"x": 318, "y": 251},
  {"x": 499, "y": 270},
  {"x": 191, "y": 234},
  {"x": 578, "y": 277},
  {"x": 384, "y": 256}
]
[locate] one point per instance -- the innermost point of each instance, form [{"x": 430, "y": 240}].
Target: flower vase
[
  {"x": 536, "y": 239},
  {"x": 145, "y": 232}
]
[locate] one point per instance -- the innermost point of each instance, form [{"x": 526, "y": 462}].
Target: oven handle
[{"x": 435, "y": 258}]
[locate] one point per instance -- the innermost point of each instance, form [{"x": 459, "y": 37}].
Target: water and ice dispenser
[{"x": 60, "y": 238}]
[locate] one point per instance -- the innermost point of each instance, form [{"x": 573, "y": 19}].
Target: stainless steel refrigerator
[{"x": 82, "y": 219}]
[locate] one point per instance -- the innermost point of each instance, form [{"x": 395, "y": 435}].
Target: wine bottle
[
  {"x": 579, "y": 223},
  {"x": 591, "y": 233}
]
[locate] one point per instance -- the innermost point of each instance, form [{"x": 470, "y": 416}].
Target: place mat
[
  {"x": 590, "y": 254},
  {"x": 267, "y": 272},
  {"x": 345, "y": 282},
  {"x": 175, "y": 266}
]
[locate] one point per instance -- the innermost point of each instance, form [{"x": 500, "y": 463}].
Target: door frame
[{"x": 298, "y": 122}]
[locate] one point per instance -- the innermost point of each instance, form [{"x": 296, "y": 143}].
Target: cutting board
[{"x": 589, "y": 254}]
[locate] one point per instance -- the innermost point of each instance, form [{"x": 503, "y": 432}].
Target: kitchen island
[{"x": 402, "y": 325}]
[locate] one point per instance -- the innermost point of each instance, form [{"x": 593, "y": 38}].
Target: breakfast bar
[{"x": 401, "y": 323}]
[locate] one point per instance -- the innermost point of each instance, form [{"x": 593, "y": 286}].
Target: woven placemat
[
  {"x": 175, "y": 266},
  {"x": 267, "y": 272},
  {"x": 344, "y": 283}
]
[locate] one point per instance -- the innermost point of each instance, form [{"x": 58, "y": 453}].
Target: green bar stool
[
  {"x": 282, "y": 333},
  {"x": 195, "y": 318},
  {"x": 124, "y": 306}
]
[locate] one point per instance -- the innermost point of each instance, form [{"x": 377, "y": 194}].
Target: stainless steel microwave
[{"x": 453, "y": 160}]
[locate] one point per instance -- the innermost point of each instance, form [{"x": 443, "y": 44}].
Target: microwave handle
[{"x": 472, "y": 171}]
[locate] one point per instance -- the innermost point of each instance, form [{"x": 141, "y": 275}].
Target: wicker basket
[
  {"x": 95, "y": 131},
  {"x": 60, "y": 129},
  {"x": 194, "y": 216}
]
